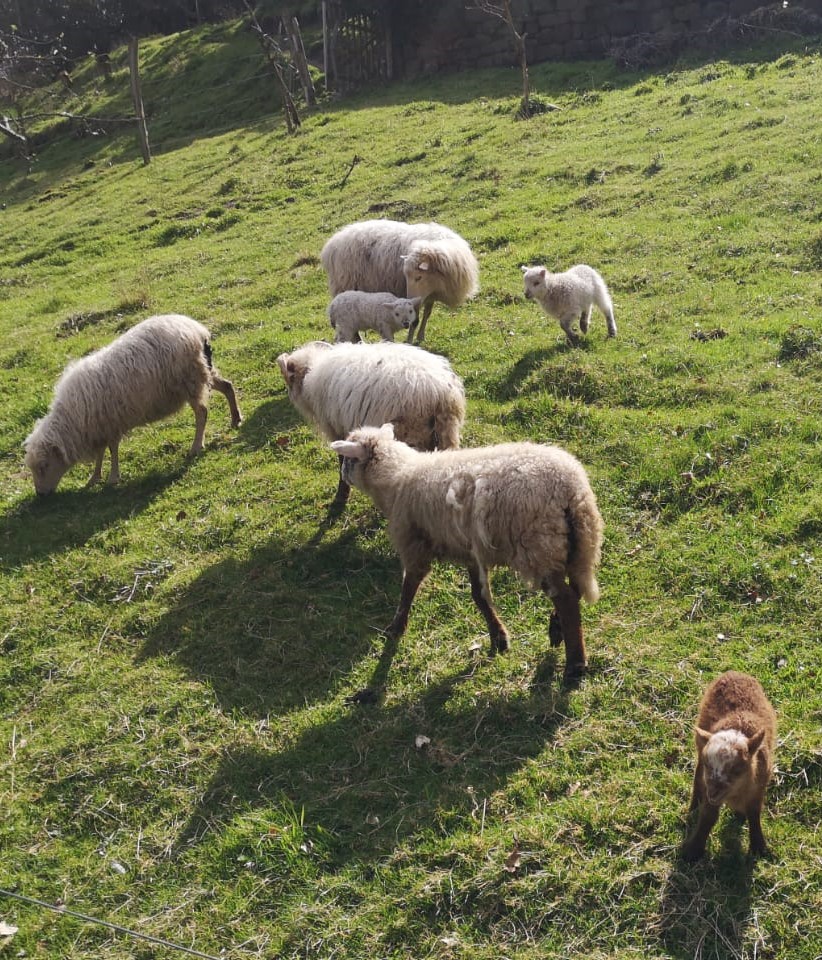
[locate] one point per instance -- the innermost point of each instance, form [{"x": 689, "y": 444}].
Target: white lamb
[
  {"x": 526, "y": 506},
  {"x": 339, "y": 387},
  {"x": 146, "y": 374},
  {"x": 352, "y": 311},
  {"x": 423, "y": 260},
  {"x": 570, "y": 295}
]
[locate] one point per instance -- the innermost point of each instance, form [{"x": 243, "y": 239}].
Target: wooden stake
[{"x": 137, "y": 98}]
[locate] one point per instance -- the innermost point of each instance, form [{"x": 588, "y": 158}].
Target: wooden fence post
[{"x": 137, "y": 97}]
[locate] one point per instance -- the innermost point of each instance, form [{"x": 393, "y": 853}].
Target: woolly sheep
[
  {"x": 352, "y": 311},
  {"x": 735, "y": 738},
  {"x": 566, "y": 296},
  {"x": 526, "y": 506},
  {"x": 423, "y": 260},
  {"x": 343, "y": 386},
  {"x": 146, "y": 374}
]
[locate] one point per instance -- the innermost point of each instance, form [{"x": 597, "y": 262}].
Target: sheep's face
[
  {"x": 47, "y": 467},
  {"x": 405, "y": 313},
  {"x": 534, "y": 280},
  {"x": 727, "y": 758},
  {"x": 359, "y": 451},
  {"x": 421, "y": 279}
]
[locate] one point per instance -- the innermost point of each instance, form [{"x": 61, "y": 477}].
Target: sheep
[
  {"x": 343, "y": 386},
  {"x": 146, "y": 374},
  {"x": 352, "y": 311},
  {"x": 526, "y": 506},
  {"x": 735, "y": 737},
  {"x": 423, "y": 260},
  {"x": 566, "y": 296}
]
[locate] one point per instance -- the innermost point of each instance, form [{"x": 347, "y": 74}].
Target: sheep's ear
[
  {"x": 349, "y": 449},
  {"x": 387, "y": 431},
  {"x": 282, "y": 363},
  {"x": 755, "y": 742},
  {"x": 415, "y": 302},
  {"x": 702, "y": 738},
  {"x": 542, "y": 271},
  {"x": 524, "y": 269}
]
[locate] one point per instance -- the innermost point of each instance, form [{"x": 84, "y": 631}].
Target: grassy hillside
[{"x": 177, "y": 653}]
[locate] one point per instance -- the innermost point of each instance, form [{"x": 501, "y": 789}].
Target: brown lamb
[{"x": 735, "y": 738}]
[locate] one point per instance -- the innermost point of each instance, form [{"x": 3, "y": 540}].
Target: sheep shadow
[
  {"x": 705, "y": 907},
  {"x": 366, "y": 773},
  {"x": 266, "y": 421},
  {"x": 39, "y": 526},
  {"x": 281, "y": 628},
  {"x": 518, "y": 379}
]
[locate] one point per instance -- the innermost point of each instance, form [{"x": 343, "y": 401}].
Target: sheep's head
[
  {"x": 727, "y": 758},
  {"x": 294, "y": 366},
  {"x": 405, "y": 313},
  {"x": 360, "y": 449},
  {"x": 534, "y": 280},
  {"x": 46, "y": 462}
]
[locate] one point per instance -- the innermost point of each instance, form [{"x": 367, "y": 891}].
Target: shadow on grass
[
  {"x": 706, "y": 906},
  {"x": 282, "y": 627},
  {"x": 39, "y": 526},
  {"x": 364, "y": 773},
  {"x": 268, "y": 420}
]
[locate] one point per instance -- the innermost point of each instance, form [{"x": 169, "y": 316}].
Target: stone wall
[{"x": 457, "y": 38}]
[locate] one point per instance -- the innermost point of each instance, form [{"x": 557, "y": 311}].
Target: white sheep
[
  {"x": 352, "y": 311},
  {"x": 423, "y": 260},
  {"x": 339, "y": 387},
  {"x": 525, "y": 506},
  {"x": 146, "y": 374},
  {"x": 570, "y": 295}
]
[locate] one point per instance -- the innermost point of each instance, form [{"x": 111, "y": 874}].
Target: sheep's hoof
[
  {"x": 500, "y": 644},
  {"x": 364, "y": 697},
  {"x": 574, "y": 672},
  {"x": 236, "y": 421},
  {"x": 692, "y": 852},
  {"x": 761, "y": 850},
  {"x": 94, "y": 480},
  {"x": 113, "y": 481}
]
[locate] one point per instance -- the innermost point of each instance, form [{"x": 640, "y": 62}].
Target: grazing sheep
[
  {"x": 735, "y": 738},
  {"x": 343, "y": 386},
  {"x": 526, "y": 506},
  {"x": 570, "y": 295},
  {"x": 352, "y": 311},
  {"x": 423, "y": 260},
  {"x": 146, "y": 374}
]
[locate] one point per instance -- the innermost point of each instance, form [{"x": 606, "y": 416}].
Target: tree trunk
[{"x": 292, "y": 28}]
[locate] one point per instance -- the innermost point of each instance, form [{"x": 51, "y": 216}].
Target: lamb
[
  {"x": 146, "y": 374},
  {"x": 343, "y": 386},
  {"x": 423, "y": 260},
  {"x": 566, "y": 296},
  {"x": 526, "y": 506},
  {"x": 352, "y": 311},
  {"x": 735, "y": 738}
]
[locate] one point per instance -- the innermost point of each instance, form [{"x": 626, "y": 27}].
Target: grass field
[{"x": 178, "y": 756}]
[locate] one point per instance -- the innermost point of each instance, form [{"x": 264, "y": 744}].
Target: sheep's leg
[
  {"x": 114, "y": 473},
  {"x": 566, "y": 604},
  {"x": 411, "y": 580},
  {"x": 609, "y": 319},
  {"x": 226, "y": 388},
  {"x": 585, "y": 320},
  {"x": 757, "y": 838},
  {"x": 343, "y": 490},
  {"x": 566, "y": 321},
  {"x": 481, "y": 593},
  {"x": 694, "y": 848},
  {"x": 200, "y": 417},
  {"x": 97, "y": 476},
  {"x": 426, "y": 313}
]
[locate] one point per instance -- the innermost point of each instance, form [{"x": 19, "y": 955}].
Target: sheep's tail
[
  {"x": 605, "y": 304},
  {"x": 584, "y": 545}
]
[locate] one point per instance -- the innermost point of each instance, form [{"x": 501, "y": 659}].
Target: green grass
[{"x": 177, "y": 653}]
